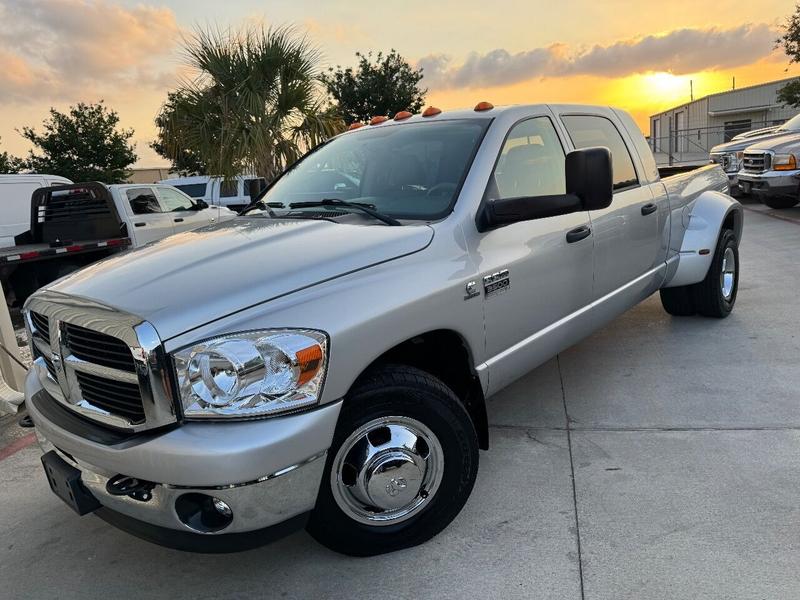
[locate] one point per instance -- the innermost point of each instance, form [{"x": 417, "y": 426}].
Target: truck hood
[
  {"x": 195, "y": 277},
  {"x": 779, "y": 144},
  {"x": 739, "y": 145}
]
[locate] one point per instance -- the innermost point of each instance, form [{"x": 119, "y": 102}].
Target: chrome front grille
[
  {"x": 106, "y": 365},
  {"x": 117, "y": 397},
  {"x": 756, "y": 162},
  {"x": 98, "y": 348}
]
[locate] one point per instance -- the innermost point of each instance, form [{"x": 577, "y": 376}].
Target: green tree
[
  {"x": 84, "y": 144},
  {"x": 10, "y": 164},
  {"x": 184, "y": 160},
  {"x": 255, "y": 103},
  {"x": 381, "y": 85},
  {"x": 789, "y": 41}
]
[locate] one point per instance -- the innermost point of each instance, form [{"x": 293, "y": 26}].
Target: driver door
[
  {"x": 183, "y": 211},
  {"x": 547, "y": 273}
]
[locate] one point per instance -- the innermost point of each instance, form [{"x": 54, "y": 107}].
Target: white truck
[
  {"x": 72, "y": 225},
  {"x": 15, "y": 202},
  {"x": 234, "y": 194},
  {"x": 335, "y": 369}
]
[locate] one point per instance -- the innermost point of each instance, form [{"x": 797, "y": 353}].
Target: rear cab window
[
  {"x": 587, "y": 131},
  {"x": 143, "y": 201},
  {"x": 195, "y": 190}
]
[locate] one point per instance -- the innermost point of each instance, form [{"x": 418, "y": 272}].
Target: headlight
[
  {"x": 731, "y": 161},
  {"x": 784, "y": 162},
  {"x": 252, "y": 374}
]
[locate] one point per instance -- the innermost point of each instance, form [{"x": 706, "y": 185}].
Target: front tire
[
  {"x": 780, "y": 201},
  {"x": 401, "y": 466}
]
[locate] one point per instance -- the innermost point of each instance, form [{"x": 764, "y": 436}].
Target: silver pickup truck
[{"x": 325, "y": 359}]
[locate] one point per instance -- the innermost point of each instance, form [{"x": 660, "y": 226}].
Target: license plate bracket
[
  {"x": 65, "y": 481},
  {"x": 746, "y": 186}
]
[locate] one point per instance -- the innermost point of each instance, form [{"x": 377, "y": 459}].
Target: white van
[
  {"x": 15, "y": 202},
  {"x": 215, "y": 191}
]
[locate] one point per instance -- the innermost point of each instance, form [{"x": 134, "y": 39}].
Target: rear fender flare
[{"x": 702, "y": 222}]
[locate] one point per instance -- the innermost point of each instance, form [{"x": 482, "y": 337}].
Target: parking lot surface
[{"x": 659, "y": 458}]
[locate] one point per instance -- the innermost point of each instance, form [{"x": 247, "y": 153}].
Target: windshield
[
  {"x": 792, "y": 124},
  {"x": 408, "y": 171}
]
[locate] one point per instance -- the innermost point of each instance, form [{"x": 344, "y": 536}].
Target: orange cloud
[{"x": 59, "y": 44}]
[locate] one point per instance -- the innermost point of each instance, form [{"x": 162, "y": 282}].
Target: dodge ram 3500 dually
[{"x": 325, "y": 359}]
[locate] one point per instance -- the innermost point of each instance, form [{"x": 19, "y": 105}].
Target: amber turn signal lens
[
  {"x": 355, "y": 126},
  {"x": 481, "y": 106},
  {"x": 431, "y": 111},
  {"x": 309, "y": 360},
  {"x": 403, "y": 114},
  {"x": 378, "y": 120}
]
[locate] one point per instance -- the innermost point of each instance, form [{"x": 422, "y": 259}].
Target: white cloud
[{"x": 679, "y": 52}]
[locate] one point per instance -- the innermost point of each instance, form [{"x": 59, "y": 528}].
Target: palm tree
[{"x": 254, "y": 104}]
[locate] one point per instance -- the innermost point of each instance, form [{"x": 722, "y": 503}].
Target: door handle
[
  {"x": 139, "y": 224},
  {"x": 178, "y": 220},
  {"x": 578, "y": 234},
  {"x": 649, "y": 208}
]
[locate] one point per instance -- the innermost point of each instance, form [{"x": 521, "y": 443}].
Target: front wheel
[
  {"x": 780, "y": 201},
  {"x": 402, "y": 464}
]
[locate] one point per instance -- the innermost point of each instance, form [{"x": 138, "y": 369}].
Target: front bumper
[
  {"x": 268, "y": 471},
  {"x": 770, "y": 183}
]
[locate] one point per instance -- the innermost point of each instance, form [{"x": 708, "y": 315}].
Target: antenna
[
  {"x": 734, "y": 82},
  {"x": 691, "y": 90}
]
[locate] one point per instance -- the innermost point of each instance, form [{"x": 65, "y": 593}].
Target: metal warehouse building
[{"x": 683, "y": 135}]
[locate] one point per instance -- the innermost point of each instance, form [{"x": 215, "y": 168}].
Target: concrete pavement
[{"x": 675, "y": 443}]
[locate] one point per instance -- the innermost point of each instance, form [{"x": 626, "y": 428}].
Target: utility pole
[
  {"x": 691, "y": 90},
  {"x": 734, "y": 82}
]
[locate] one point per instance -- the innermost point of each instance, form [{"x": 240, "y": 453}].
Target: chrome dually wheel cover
[
  {"x": 727, "y": 276},
  {"x": 387, "y": 470}
]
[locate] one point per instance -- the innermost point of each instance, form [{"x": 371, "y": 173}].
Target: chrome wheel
[
  {"x": 727, "y": 275},
  {"x": 387, "y": 471}
]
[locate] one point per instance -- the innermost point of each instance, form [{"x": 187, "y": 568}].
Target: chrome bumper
[
  {"x": 772, "y": 183},
  {"x": 266, "y": 471}
]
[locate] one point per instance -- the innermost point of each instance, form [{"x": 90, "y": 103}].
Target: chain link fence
[{"x": 692, "y": 145}]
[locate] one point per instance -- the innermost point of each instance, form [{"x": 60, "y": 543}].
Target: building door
[{"x": 680, "y": 133}]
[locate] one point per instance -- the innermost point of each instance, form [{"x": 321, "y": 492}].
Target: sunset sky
[{"x": 633, "y": 54}]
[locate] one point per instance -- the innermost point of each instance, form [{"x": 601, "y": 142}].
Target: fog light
[
  {"x": 222, "y": 508},
  {"x": 204, "y": 514}
]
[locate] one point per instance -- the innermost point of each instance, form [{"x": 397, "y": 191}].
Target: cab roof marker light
[
  {"x": 355, "y": 126},
  {"x": 481, "y": 106},
  {"x": 402, "y": 115},
  {"x": 431, "y": 111},
  {"x": 378, "y": 120}
]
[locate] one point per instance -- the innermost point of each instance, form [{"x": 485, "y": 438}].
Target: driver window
[
  {"x": 531, "y": 162},
  {"x": 174, "y": 200}
]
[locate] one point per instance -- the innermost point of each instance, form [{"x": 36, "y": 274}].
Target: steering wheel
[{"x": 441, "y": 189}]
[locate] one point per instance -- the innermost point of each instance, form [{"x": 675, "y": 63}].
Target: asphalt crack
[{"x": 572, "y": 477}]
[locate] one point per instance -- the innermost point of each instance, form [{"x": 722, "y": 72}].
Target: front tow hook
[{"x": 125, "y": 485}]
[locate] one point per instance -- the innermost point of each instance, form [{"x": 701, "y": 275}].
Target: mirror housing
[
  {"x": 589, "y": 185},
  {"x": 590, "y": 177},
  {"x": 200, "y": 204}
]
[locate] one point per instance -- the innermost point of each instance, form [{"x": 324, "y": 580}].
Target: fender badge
[
  {"x": 496, "y": 283},
  {"x": 471, "y": 290}
]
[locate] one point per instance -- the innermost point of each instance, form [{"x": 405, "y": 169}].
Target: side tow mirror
[
  {"x": 201, "y": 204},
  {"x": 590, "y": 177}
]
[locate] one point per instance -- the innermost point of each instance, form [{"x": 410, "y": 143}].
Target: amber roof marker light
[
  {"x": 481, "y": 106},
  {"x": 355, "y": 126},
  {"x": 431, "y": 111},
  {"x": 378, "y": 120},
  {"x": 402, "y": 115}
]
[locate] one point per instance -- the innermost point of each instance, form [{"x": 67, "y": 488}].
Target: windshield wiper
[
  {"x": 362, "y": 206},
  {"x": 266, "y": 205}
]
